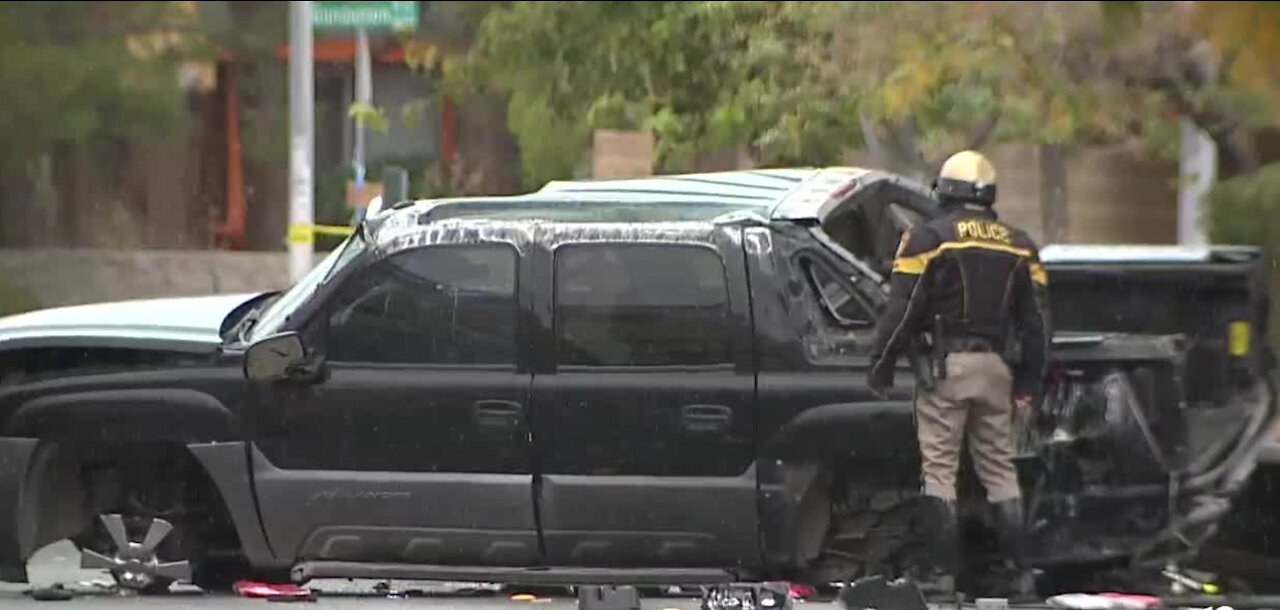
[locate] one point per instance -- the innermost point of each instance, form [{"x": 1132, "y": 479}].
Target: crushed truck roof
[
  {"x": 766, "y": 194},
  {"x": 789, "y": 194}
]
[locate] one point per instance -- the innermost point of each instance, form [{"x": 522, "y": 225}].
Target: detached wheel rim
[{"x": 135, "y": 564}]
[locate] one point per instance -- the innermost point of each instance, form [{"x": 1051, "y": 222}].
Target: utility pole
[
  {"x": 364, "y": 95},
  {"x": 1197, "y": 171},
  {"x": 301, "y": 139}
]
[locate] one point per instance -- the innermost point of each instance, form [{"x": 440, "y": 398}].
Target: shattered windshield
[{"x": 278, "y": 312}]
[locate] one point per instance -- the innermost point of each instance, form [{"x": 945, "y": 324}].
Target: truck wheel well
[
  {"x": 70, "y": 485},
  {"x": 867, "y": 521}
]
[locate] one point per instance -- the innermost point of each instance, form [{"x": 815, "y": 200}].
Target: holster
[
  {"x": 928, "y": 355},
  {"x": 939, "y": 352},
  {"x": 920, "y": 355},
  {"x": 1012, "y": 352}
]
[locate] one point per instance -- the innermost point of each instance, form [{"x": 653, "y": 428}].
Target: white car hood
[{"x": 188, "y": 322}]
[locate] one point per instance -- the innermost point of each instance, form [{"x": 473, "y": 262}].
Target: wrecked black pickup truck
[{"x": 650, "y": 381}]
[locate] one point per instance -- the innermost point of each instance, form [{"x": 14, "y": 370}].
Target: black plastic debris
[
  {"x": 66, "y": 591},
  {"x": 289, "y": 599},
  {"x": 385, "y": 589},
  {"x": 1238, "y": 602},
  {"x": 55, "y": 593},
  {"x": 876, "y": 592},
  {"x": 748, "y": 596},
  {"x": 608, "y": 598}
]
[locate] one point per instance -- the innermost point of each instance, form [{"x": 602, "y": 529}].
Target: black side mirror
[{"x": 276, "y": 357}]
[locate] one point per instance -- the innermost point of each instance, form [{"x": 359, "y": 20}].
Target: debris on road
[
  {"x": 269, "y": 591},
  {"x": 801, "y": 592},
  {"x": 1218, "y": 602},
  {"x": 876, "y": 592},
  {"x": 409, "y": 589},
  {"x": 293, "y": 599},
  {"x": 991, "y": 603},
  {"x": 103, "y": 588},
  {"x": 90, "y": 588},
  {"x": 762, "y": 596},
  {"x": 102, "y": 585},
  {"x": 1104, "y": 601},
  {"x": 608, "y": 598},
  {"x": 1183, "y": 583},
  {"x": 56, "y": 593}
]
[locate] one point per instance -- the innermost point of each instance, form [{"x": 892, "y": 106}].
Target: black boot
[
  {"x": 937, "y": 577},
  {"x": 1010, "y": 523}
]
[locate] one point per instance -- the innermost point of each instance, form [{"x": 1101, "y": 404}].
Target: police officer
[{"x": 974, "y": 288}]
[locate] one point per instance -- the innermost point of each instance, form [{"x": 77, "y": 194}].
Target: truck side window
[
  {"x": 842, "y": 305},
  {"x": 433, "y": 305},
  {"x": 641, "y": 305}
]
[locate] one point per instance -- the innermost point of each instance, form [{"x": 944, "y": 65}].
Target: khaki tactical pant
[{"x": 975, "y": 399}]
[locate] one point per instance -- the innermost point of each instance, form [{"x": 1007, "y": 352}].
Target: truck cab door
[
  {"x": 413, "y": 447},
  {"x": 643, "y": 409}
]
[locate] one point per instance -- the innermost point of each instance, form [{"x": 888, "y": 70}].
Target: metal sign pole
[
  {"x": 301, "y": 139},
  {"x": 364, "y": 95}
]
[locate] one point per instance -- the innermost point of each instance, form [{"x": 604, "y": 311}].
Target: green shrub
[
  {"x": 1246, "y": 210},
  {"x": 1243, "y": 210},
  {"x": 16, "y": 299}
]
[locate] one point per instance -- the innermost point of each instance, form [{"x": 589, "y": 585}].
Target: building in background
[{"x": 221, "y": 182}]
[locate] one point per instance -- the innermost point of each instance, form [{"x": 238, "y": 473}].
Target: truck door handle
[
  {"x": 497, "y": 413},
  {"x": 706, "y": 418}
]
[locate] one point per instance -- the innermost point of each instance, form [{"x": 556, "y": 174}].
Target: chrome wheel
[{"x": 135, "y": 565}]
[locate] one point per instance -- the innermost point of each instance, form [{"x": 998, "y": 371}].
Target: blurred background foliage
[
  {"x": 67, "y": 78},
  {"x": 15, "y": 299},
  {"x": 803, "y": 82},
  {"x": 795, "y": 83},
  {"x": 791, "y": 82},
  {"x": 1246, "y": 209}
]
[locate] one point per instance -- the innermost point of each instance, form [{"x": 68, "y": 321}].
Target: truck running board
[{"x": 532, "y": 576}]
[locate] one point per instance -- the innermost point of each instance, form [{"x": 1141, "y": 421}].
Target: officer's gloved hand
[
  {"x": 1027, "y": 393},
  {"x": 1038, "y": 407},
  {"x": 880, "y": 381}
]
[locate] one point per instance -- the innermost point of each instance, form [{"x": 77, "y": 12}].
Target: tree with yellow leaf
[
  {"x": 801, "y": 82},
  {"x": 1247, "y": 37},
  {"x": 1057, "y": 74}
]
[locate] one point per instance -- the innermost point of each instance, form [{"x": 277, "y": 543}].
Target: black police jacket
[{"x": 985, "y": 280}]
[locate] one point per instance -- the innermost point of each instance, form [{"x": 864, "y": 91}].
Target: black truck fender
[
  {"x": 15, "y": 458},
  {"x": 227, "y": 464},
  {"x": 43, "y": 493},
  {"x": 38, "y": 458},
  {"x": 844, "y": 431},
  {"x": 162, "y": 414},
  {"x": 871, "y": 443}
]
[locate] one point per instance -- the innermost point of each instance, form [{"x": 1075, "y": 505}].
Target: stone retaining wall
[{"x": 71, "y": 276}]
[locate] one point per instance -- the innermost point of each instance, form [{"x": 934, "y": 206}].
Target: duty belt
[{"x": 968, "y": 345}]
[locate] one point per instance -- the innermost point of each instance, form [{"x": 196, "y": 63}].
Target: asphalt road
[{"x": 59, "y": 564}]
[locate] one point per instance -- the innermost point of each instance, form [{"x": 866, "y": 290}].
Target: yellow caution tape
[
  {"x": 306, "y": 234},
  {"x": 1238, "y": 338}
]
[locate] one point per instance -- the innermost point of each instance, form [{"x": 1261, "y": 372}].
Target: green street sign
[{"x": 367, "y": 15}]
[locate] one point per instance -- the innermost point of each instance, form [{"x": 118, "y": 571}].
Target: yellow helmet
[{"x": 967, "y": 176}]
